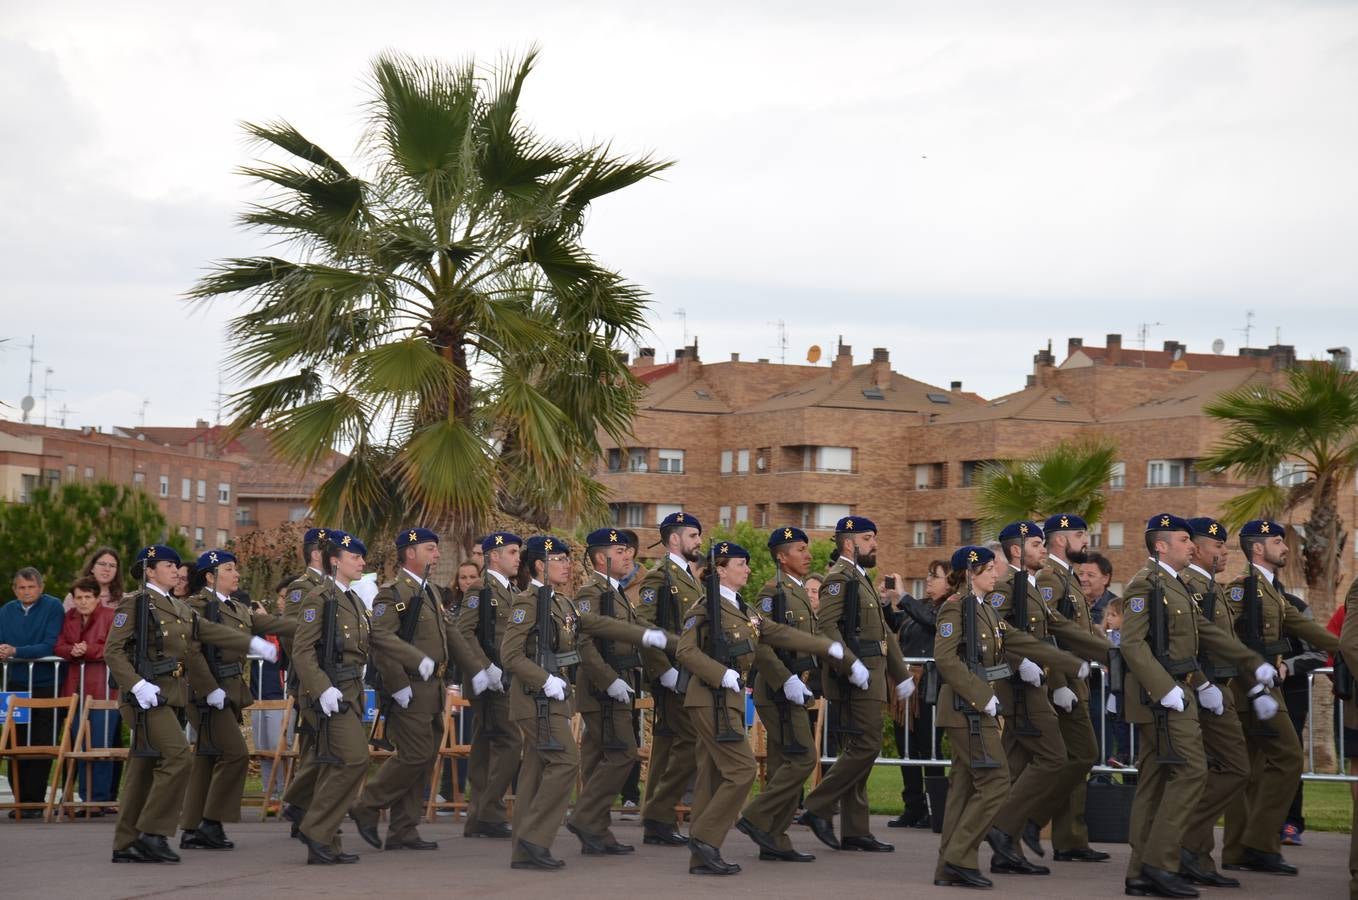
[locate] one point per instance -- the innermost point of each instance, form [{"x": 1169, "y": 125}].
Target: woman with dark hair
[
  {"x": 83, "y": 636},
  {"x": 105, "y": 566},
  {"x": 190, "y": 582},
  {"x": 467, "y": 581},
  {"x": 916, "y": 633}
]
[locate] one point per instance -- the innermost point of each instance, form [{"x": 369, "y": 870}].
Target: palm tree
[
  {"x": 1311, "y": 420},
  {"x": 1069, "y": 477},
  {"x": 440, "y": 319}
]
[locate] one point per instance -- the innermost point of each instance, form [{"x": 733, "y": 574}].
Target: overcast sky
[{"x": 955, "y": 181}]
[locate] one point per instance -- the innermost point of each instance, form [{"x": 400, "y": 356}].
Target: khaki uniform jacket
[
  {"x": 181, "y": 630},
  {"x": 958, "y": 680},
  {"x": 1056, "y": 582},
  {"x": 597, "y": 671},
  {"x": 655, "y": 607},
  {"x": 878, "y": 647},
  {"x": 1203, "y": 589},
  {"x": 1037, "y": 643},
  {"x": 1348, "y": 645},
  {"x": 434, "y": 636},
  {"x": 771, "y": 673},
  {"x": 355, "y": 637},
  {"x": 302, "y": 585},
  {"x": 249, "y": 623},
  {"x": 1280, "y": 618},
  {"x": 484, "y": 649}
]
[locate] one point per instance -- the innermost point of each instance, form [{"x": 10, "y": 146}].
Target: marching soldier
[
  {"x": 217, "y": 781},
  {"x": 665, "y": 592},
  {"x": 1263, "y": 620},
  {"x": 541, "y": 702},
  {"x": 1067, "y": 540},
  {"x": 331, "y": 677},
  {"x": 496, "y": 747},
  {"x": 152, "y": 645},
  {"x": 297, "y": 797},
  {"x": 409, "y": 610},
  {"x": 780, "y": 697},
  {"x": 1163, "y": 632},
  {"x": 851, "y": 611},
  {"x": 715, "y": 703},
  {"x": 1348, "y": 648}
]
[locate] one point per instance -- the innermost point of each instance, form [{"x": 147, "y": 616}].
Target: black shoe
[
  {"x": 823, "y": 829},
  {"x": 617, "y": 848},
  {"x": 924, "y": 821},
  {"x": 901, "y": 821},
  {"x": 1032, "y": 838},
  {"x": 209, "y": 835},
  {"x": 866, "y": 843},
  {"x": 711, "y": 859},
  {"x": 318, "y": 854},
  {"x": 1080, "y": 854},
  {"x": 293, "y": 813},
  {"x": 660, "y": 833},
  {"x": 731, "y": 869},
  {"x": 590, "y": 844},
  {"x": 189, "y": 841},
  {"x": 1166, "y": 883},
  {"x": 538, "y": 858},
  {"x": 156, "y": 846},
  {"x": 415, "y": 843},
  {"x": 1192, "y": 870},
  {"x": 133, "y": 853},
  {"x": 786, "y": 856},
  {"x": 1259, "y": 861},
  {"x": 345, "y": 858},
  {"x": 491, "y": 830},
  {"x": 1004, "y": 848},
  {"x": 760, "y": 837},
  {"x": 1139, "y": 887},
  {"x": 367, "y": 830},
  {"x": 1001, "y": 866},
  {"x": 956, "y": 876}
]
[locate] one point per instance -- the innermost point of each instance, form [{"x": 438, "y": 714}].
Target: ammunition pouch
[{"x": 227, "y": 670}]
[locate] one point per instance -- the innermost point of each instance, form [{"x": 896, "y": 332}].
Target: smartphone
[{"x": 891, "y": 582}]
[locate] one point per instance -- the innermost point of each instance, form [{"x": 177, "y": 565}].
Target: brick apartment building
[{"x": 774, "y": 444}]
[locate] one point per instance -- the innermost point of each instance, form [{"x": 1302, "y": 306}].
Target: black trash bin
[
  {"x": 936, "y": 786},
  {"x": 1108, "y": 811}
]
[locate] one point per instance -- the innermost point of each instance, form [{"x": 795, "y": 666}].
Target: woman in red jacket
[{"x": 83, "y": 635}]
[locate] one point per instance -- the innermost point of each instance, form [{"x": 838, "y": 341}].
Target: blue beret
[
  {"x": 787, "y": 535},
  {"x": 681, "y": 519},
  {"x": 314, "y": 535},
  {"x": 1206, "y": 526},
  {"x": 540, "y": 545},
  {"x": 1064, "y": 522},
  {"x": 412, "y": 536},
  {"x": 159, "y": 553},
  {"x": 214, "y": 558},
  {"x": 854, "y": 524},
  {"x": 605, "y": 537},
  {"x": 729, "y": 548},
  {"x": 1020, "y": 531},
  {"x": 970, "y": 556},
  {"x": 499, "y": 539},
  {"x": 1262, "y": 528},
  {"x": 345, "y": 541},
  {"x": 1167, "y": 522}
]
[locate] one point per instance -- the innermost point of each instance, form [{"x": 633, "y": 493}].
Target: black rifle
[
  {"x": 850, "y": 624},
  {"x": 666, "y": 619},
  {"x": 1215, "y": 672},
  {"x": 1252, "y": 626},
  {"x": 971, "y": 655},
  {"x": 329, "y": 652},
  {"x": 789, "y": 660},
  {"x": 410, "y": 620},
  {"x": 1065, "y": 606},
  {"x": 485, "y": 635},
  {"x": 625, "y": 666},
  {"x": 722, "y": 650},
  {"x": 1159, "y": 643},
  {"x": 1342, "y": 677},
  {"x": 1018, "y": 617},
  {"x": 150, "y": 666},
  {"x": 550, "y": 660},
  {"x": 1117, "y": 678},
  {"x": 206, "y": 746}
]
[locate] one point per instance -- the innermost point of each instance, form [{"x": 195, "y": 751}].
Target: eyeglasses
[{"x": 106, "y": 565}]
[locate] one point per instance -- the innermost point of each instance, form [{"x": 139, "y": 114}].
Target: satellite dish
[
  {"x": 1218, "y": 346},
  {"x": 813, "y": 354},
  {"x": 760, "y": 463},
  {"x": 26, "y": 404}
]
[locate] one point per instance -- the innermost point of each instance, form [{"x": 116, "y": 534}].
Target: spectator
[
  {"x": 29, "y": 625},
  {"x": 1349, "y": 736},
  {"x": 468, "y": 581},
  {"x": 266, "y": 683},
  {"x": 1117, "y": 749},
  {"x": 1302, "y": 659},
  {"x": 916, "y": 633},
  {"x": 1095, "y": 574},
  {"x": 813, "y": 583},
  {"x": 83, "y": 635},
  {"x": 105, "y": 567},
  {"x": 182, "y": 589}
]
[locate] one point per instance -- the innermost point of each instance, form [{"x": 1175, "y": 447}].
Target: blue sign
[
  {"x": 20, "y": 714},
  {"x": 749, "y": 710},
  {"x": 369, "y": 704}
]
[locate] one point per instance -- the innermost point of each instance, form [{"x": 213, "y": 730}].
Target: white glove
[
  {"x": 858, "y": 675},
  {"x": 836, "y": 650},
  {"x": 555, "y": 687},
  {"x": 497, "y": 678},
  {"x": 1084, "y": 670},
  {"x": 620, "y": 691},
  {"x": 992, "y": 708},
  {"x": 402, "y": 697},
  {"x": 1209, "y": 696},
  {"x": 262, "y": 648},
  {"x": 330, "y": 700},
  {"x": 216, "y": 699},
  {"x": 731, "y": 680},
  {"x": 146, "y": 693},
  {"x": 1265, "y": 707},
  {"x": 1111, "y": 705},
  {"x": 1266, "y": 675},
  {"x": 426, "y": 668},
  {"x": 1065, "y": 698},
  {"x": 480, "y": 681},
  {"x": 654, "y": 637},
  {"x": 796, "y": 692},
  {"x": 905, "y": 688},
  {"x": 1174, "y": 699},
  {"x": 1030, "y": 672},
  {"x": 669, "y": 678}
]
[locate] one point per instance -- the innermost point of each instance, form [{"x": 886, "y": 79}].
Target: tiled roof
[
  {"x": 1034, "y": 404},
  {"x": 1161, "y": 359},
  {"x": 1189, "y": 399}
]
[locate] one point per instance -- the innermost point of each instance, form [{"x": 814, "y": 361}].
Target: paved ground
[{"x": 72, "y": 860}]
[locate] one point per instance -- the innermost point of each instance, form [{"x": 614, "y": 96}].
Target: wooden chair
[
  {"x": 818, "y": 734},
  {"x": 759, "y": 744},
  {"x": 449, "y": 749},
  {"x": 284, "y": 754},
  {"x": 13, "y": 751},
  {"x": 83, "y": 751}
]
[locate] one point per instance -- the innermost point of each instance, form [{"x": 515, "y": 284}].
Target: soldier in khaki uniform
[
  {"x": 715, "y": 703},
  {"x": 153, "y": 790},
  {"x": 665, "y": 593},
  {"x": 857, "y": 703},
  {"x": 410, "y": 610},
  {"x": 1068, "y": 543},
  {"x": 542, "y": 703},
  {"x": 216, "y": 782},
  {"x": 1162, "y": 689},
  {"x": 333, "y": 696},
  {"x": 1255, "y": 819},
  {"x": 496, "y": 747},
  {"x": 1348, "y": 647},
  {"x": 298, "y": 795},
  {"x": 780, "y": 697}
]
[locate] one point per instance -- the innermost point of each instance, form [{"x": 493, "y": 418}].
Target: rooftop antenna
[
  {"x": 1249, "y": 325},
  {"x": 1142, "y": 333},
  {"x": 782, "y": 341},
  {"x": 219, "y": 396},
  {"x": 64, "y": 411},
  {"x": 144, "y": 404},
  {"x": 27, "y": 403},
  {"x": 682, "y": 315},
  {"x": 47, "y": 392}
]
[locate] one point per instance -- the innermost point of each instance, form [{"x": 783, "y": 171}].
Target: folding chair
[
  {"x": 83, "y": 751},
  {"x": 759, "y": 744},
  {"x": 818, "y": 734},
  {"x": 13, "y": 751},
  {"x": 449, "y": 749},
  {"x": 283, "y": 754}
]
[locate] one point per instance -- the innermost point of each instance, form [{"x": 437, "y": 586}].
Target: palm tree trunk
[{"x": 1320, "y": 562}]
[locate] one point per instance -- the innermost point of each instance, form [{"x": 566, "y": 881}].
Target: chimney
[
  {"x": 1043, "y": 363},
  {"x": 841, "y": 367},
  {"x": 955, "y": 387},
  {"x": 735, "y": 357},
  {"x": 881, "y": 368},
  {"x": 1073, "y": 344},
  {"x": 1284, "y": 356},
  {"x": 1114, "y": 355},
  {"x": 620, "y": 356},
  {"x": 1172, "y": 346},
  {"x": 645, "y": 360},
  {"x": 687, "y": 357},
  {"x": 201, "y": 423}
]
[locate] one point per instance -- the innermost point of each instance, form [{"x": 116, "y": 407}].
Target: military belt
[
  {"x": 567, "y": 659},
  {"x": 867, "y": 649},
  {"x": 1181, "y": 668},
  {"x": 996, "y": 673},
  {"x": 623, "y": 662},
  {"x": 227, "y": 670},
  {"x": 346, "y": 674}
]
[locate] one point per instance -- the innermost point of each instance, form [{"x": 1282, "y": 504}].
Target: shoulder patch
[
  {"x": 295, "y": 596},
  {"x": 120, "y": 620},
  {"x": 690, "y": 622},
  {"x": 519, "y": 616},
  {"x": 473, "y": 602},
  {"x": 766, "y": 604},
  {"x": 833, "y": 588},
  {"x": 1237, "y": 594},
  {"x": 1137, "y": 604},
  {"x": 945, "y": 630},
  {"x": 378, "y": 609},
  {"x": 1046, "y": 594},
  {"x": 648, "y": 595},
  {"x": 309, "y": 615},
  {"x": 582, "y": 605},
  {"x": 997, "y": 599}
]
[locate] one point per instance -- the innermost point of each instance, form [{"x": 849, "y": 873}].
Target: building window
[
  {"x": 165, "y": 485},
  {"x": 724, "y": 516},
  {"x": 1290, "y": 474},
  {"x": 297, "y": 514},
  {"x": 928, "y": 533},
  {"x": 89, "y": 473},
  {"x": 1095, "y": 532},
  {"x": 824, "y": 516},
  {"x": 222, "y": 537},
  {"x": 198, "y": 537},
  {"x": 70, "y": 471},
  {"x": 27, "y": 484},
  {"x": 742, "y": 514},
  {"x": 761, "y": 460},
  {"x": 761, "y": 512},
  {"x": 629, "y": 515},
  {"x": 917, "y": 587},
  {"x": 636, "y": 460},
  {"x": 139, "y": 479},
  {"x": 184, "y": 530},
  {"x": 224, "y": 493},
  {"x": 666, "y": 509},
  {"x": 672, "y": 462},
  {"x": 202, "y": 491},
  {"x": 1169, "y": 472},
  {"x": 928, "y": 476},
  {"x": 726, "y": 462},
  {"x": 243, "y": 516},
  {"x": 742, "y": 462},
  {"x": 186, "y": 489},
  {"x": 972, "y": 469},
  {"x": 615, "y": 459},
  {"x": 827, "y": 459},
  {"x": 966, "y": 531},
  {"x": 53, "y": 477},
  {"x": 1114, "y": 535},
  {"x": 1117, "y": 479}
]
